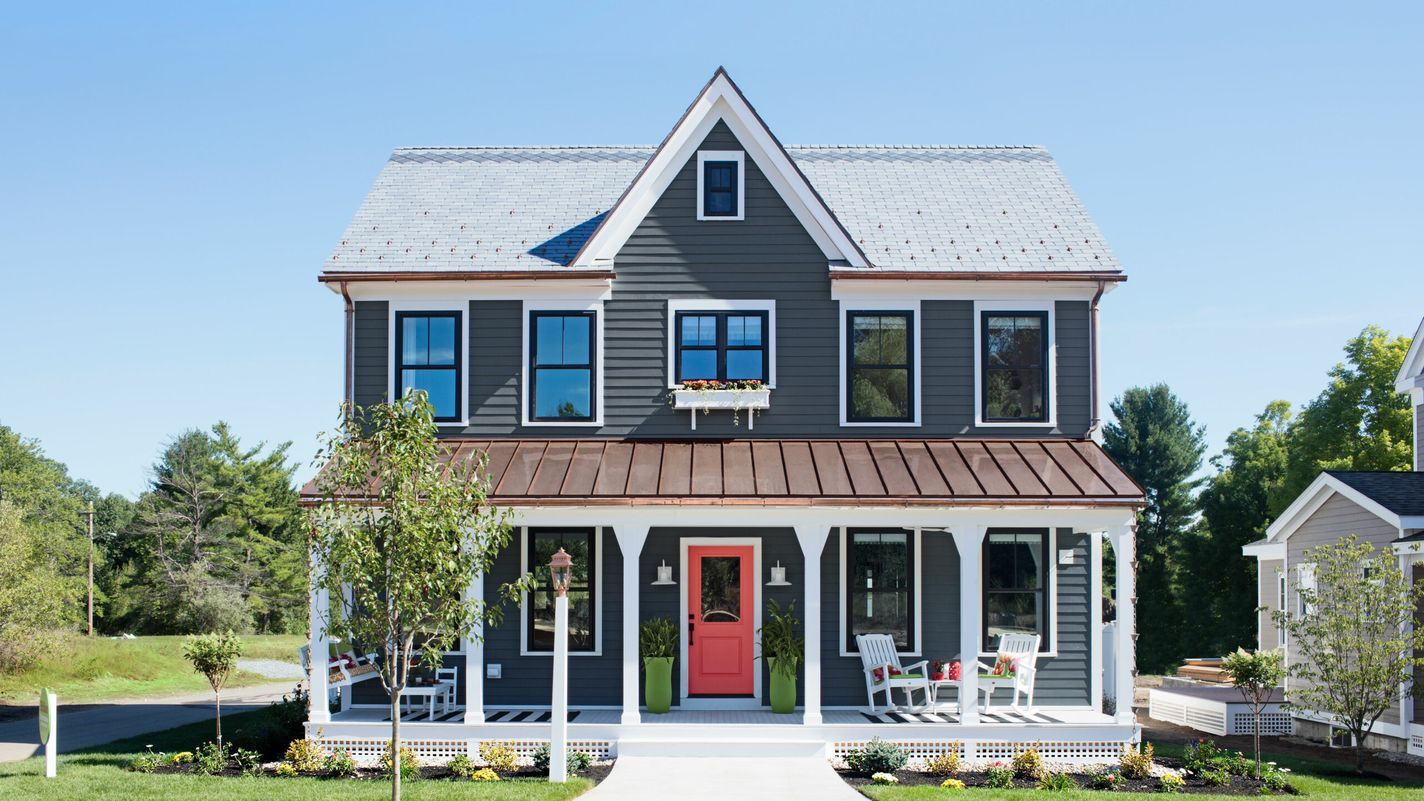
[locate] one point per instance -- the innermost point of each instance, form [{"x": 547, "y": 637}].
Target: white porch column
[
  {"x": 1124, "y": 545},
  {"x": 475, "y": 660},
  {"x": 812, "y": 539},
  {"x": 319, "y": 611},
  {"x": 1095, "y": 619},
  {"x": 630, "y": 543},
  {"x": 969, "y": 541}
]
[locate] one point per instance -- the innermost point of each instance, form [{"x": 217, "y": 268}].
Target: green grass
[
  {"x": 1315, "y": 779},
  {"x": 82, "y": 670},
  {"x": 99, "y": 774}
]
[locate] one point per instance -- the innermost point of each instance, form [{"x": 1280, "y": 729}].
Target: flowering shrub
[
  {"x": 147, "y": 761},
  {"x": 305, "y": 756},
  {"x": 883, "y": 778},
  {"x": 952, "y": 784},
  {"x": 285, "y": 769},
  {"x": 1136, "y": 764},
  {"x": 484, "y": 775},
  {"x": 1171, "y": 783},
  {"x": 1028, "y": 764},
  {"x": 341, "y": 765},
  {"x": 409, "y": 764},
  {"x": 999, "y": 775},
  {"x": 945, "y": 763},
  {"x": 498, "y": 757},
  {"x": 181, "y": 758},
  {"x": 1105, "y": 780}
]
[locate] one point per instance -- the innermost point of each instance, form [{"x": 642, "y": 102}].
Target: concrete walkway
[
  {"x": 96, "y": 724},
  {"x": 655, "y": 778}
]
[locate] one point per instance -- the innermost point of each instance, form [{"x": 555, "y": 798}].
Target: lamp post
[{"x": 560, "y": 571}]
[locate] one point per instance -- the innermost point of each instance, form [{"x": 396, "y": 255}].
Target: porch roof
[{"x": 859, "y": 472}]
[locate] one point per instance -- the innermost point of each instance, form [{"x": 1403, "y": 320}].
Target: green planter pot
[
  {"x": 783, "y": 690},
  {"x": 657, "y": 689}
]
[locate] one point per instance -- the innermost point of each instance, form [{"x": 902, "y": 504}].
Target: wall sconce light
[
  {"x": 778, "y": 576},
  {"x": 664, "y": 575}
]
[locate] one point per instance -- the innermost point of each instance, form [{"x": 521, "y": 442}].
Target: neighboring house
[
  {"x": 923, "y": 465},
  {"x": 1383, "y": 508}
]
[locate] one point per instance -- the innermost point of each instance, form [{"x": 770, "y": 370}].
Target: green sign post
[{"x": 49, "y": 722}]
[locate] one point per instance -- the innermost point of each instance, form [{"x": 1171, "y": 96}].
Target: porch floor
[{"x": 759, "y": 717}]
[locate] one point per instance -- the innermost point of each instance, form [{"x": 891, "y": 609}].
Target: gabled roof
[
  {"x": 926, "y": 209},
  {"x": 1397, "y": 498},
  {"x": 1411, "y": 373},
  {"x": 1399, "y": 492}
]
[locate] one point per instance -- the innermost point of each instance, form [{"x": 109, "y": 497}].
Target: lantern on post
[{"x": 561, "y": 568}]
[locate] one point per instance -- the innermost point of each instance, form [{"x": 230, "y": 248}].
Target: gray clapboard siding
[
  {"x": 1268, "y": 588},
  {"x": 372, "y": 359}
]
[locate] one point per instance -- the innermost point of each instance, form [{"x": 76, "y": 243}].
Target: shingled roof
[{"x": 1400, "y": 492}]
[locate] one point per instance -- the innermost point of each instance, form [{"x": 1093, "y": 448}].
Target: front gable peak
[{"x": 720, "y": 101}]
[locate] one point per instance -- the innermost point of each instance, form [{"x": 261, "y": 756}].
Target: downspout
[
  {"x": 1097, "y": 421},
  {"x": 347, "y": 397}
]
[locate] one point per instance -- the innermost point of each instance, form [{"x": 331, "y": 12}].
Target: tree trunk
[
  {"x": 1256, "y": 723},
  {"x": 1360, "y": 755},
  {"x": 217, "y": 696},
  {"x": 395, "y": 746}
]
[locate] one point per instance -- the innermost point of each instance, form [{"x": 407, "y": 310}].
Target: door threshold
[{"x": 705, "y": 703}]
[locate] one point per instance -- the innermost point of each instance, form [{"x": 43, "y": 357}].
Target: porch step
[{"x": 720, "y": 747}]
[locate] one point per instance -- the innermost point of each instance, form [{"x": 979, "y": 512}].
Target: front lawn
[{"x": 84, "y": 670}]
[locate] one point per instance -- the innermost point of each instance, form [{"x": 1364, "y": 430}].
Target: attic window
[{"x": 720, "y": 188}]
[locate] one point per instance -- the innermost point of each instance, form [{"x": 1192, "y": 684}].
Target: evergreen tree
[{"x": 1157, "y": 443}]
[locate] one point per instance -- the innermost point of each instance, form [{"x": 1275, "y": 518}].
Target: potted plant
[
  {"x": 783, "y": 650},
  {"x": 657, "y": 643}
]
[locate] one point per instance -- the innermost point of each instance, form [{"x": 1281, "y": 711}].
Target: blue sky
[{"x": 173, "y": 179}]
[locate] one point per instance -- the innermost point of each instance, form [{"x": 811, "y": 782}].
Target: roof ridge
[
  {"x": 788, "y": 147},
  {"x": 915, "y": 147},
  {"x": 525, "y": 147}
]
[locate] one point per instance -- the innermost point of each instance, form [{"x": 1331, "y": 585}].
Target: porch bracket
[
  {"x": 1124, "y": 651},
  {"x": 630, "y": 543},
  {"x": 969, "y": 541},
  {"x": 812, "y": 539}
]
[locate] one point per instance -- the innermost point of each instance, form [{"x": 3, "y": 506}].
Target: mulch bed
[
  {"x": 595, "y": 773},
  {"x": 915, "y": 778}
]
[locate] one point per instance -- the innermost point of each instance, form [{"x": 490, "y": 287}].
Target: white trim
[
  {"x": 433, "y": 304},
  {"x": 1315, "y": 496},
  {"x": 754, "y": 702},
  {"x": 723, "y": 155},
  {"x": 1264, "y": 550},
  {"x": 1411, "y": 372},
  {"x": 1051, "y": 384},
  {"x": 891, "y": 288},
  {"x": 1095, "y": 620},
  {"x": 719, "y": 101},
  {"x": 720, "y": 305},
  {"x": 919, "y": 589},
  {"x": 525, "y": 379},
  {"x": 916, "y": 369},
  {"x": 598, "y": 624},
  {"x": 1052, "y": 556},
  {"x": 597, "y": 286}
]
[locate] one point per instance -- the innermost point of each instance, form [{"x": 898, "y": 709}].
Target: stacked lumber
[{"x": 1204, "y": 670}]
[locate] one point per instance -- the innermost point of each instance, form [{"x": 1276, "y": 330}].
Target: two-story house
[{"x": 921, "y": 463}]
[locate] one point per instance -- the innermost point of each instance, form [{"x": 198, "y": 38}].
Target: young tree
[
  {"x": 1257, "y": 675},
  {"x": 406, "y": 530},
  {"x": 214, "y": 656},
  {"x": 1157, "y": 443},
  {"x": 1354, "y": 647}
]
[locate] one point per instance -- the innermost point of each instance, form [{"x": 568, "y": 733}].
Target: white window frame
[
  {"x": 1282, "y": 595},
  {"x": 446, "y": 304},
  {"x": 527, "y": 378},
  {"x": 918, "y": 589},
  {"x": 598, "y": 625},
  {"x": 739, "y": 157},
  {"x": 1051, "y": 386},
  {"x": 916, "y": 371},
  {"x": 1304, "y": 577},
  {"x": 1052, "y": 573},
  {"x": 717, "y": 305}
]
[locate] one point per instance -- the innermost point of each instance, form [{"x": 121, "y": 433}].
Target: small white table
[{"x": 434, "y": 692}]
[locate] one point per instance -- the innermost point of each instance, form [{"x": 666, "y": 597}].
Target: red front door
[{"x": 720, "y": 620}]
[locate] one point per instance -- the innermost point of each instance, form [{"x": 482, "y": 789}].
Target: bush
[
  {"x": 484, "y": 775},
  {"x": 285, "y": 769},
  {"x": 1215, "y": 778},
  {"x": 952, "y": 784},
  {"x": 1028, "y": 764},
  {"x": 498, "y": 757},
  {"x": 210, "y": 759},
  {"x": 249, "y": 762},
  {"x": 577, "y": 761},
  {"x": 1171, "y": 783},
  {"x": 181, "y": 758},
  {"x": 883, "y": 779},
  {"x": 999, "y": 776},
  {"x": 1058, "y": 782},
  {"x": 878, "y": 756},
  {"x": 1135, "y": 765},
  {"x": 945, "y": 763},
  {"x": 305, "y": 756},
  {"x": 340, "y": 765},
  {"x": 1276, "y": 782},
  {"x": 409, "y": 765},
  {"x": 147, "y": 762},
  {"x": 461, "y": 766},
  {"x": 1105, "y": 780}
]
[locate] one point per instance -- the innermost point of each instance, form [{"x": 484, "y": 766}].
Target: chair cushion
[{"x": 896, "y": 673}]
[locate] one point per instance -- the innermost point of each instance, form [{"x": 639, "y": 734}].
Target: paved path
[
  {"x": 651, "y": 778},
  {"x": 97, "y": 724}
]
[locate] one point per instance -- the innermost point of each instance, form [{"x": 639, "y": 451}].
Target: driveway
[
  {"x": 655, "y": 778},
  {"x": 96, "y": 724}
]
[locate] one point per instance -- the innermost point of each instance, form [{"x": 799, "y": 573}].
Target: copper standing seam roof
[{"x": 546, "y": 472}]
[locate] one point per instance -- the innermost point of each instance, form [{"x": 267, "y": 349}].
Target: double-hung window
[
  {"x": 722, "y": 346},
  {"x": 721, "y": 189},
  {"x": 1014, "y": 367},
  {"x": 428, "y": 360},
  {"x": 880, "y": 369},
  {"x": 583, "y": 616},
  {"x": 561, "y": 366},
  {"x": 1016, "y": 587},
  {"x": 880, "y": 586}
]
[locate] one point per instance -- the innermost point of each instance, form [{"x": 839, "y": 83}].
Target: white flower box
[{"x": 721, "y": 399}]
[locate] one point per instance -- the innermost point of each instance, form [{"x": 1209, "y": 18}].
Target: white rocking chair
[
  {"x": 883, "y": 671},
  {"x": 1019, "y": 654}
]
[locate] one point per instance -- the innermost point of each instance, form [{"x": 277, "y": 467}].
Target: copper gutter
[
  {"x": 445, "y": 275},
  {"x": 348, "y": 396},
  {"x": 1093, "y": 354},
  {"x": 921, "y": 275}
]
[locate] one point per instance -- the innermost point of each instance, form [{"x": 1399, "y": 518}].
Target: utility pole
[{"x": 90, "y": 514}]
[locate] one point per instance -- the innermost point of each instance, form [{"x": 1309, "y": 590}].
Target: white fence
[{"x": 1214, "y": 715}]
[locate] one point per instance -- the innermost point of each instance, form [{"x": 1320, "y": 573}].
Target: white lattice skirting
[
  {"x": 1052, "y": 750},
  {"x": 442, "y": 751}
]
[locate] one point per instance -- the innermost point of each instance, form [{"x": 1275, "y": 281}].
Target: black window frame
[
  {"x": 911, "y": 592},
  {"x": 400, "y": 365},
  {"x": 542, "y": 579},
  {"x": 733, "y": 190},
  {"x": 985, "y": 368},
  {"x": 721, "y": 347},
  {"x": 1045, "y": 581},
  {"x": 591, "y": 366},
  {"x": 909, "y": 366}
]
